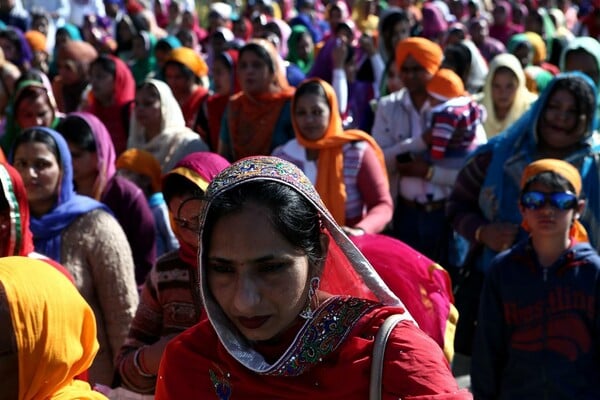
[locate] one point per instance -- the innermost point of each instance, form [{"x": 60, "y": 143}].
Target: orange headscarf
[
  {"x": 567, "y": 171},
  {"x": 190, "y": 59},
  {"x": 143, "y": 163},
  {"x": 330, "y": 165},
  {"x": 36, "y": 39},
  {"x": 252, "y": 117},
  {"x": 426, "y": 52}
]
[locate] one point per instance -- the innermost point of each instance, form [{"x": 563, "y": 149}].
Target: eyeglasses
[{"x": 560, "y": 200}]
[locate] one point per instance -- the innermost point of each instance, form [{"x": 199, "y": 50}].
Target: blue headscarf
[
  {"x": 47, "y": 230},
  {"x": 517, "y": 147}
]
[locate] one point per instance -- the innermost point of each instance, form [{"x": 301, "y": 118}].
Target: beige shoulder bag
[{"x": 379, "y": 351}]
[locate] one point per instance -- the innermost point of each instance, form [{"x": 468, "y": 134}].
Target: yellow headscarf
[
  {"x": 567, "y": 171},
  {"x": 54, "y": 328},
  {"x": 190, "y": 59},
  {"x": 330, "y": 165},
  {"x": 143, "y": 163}
]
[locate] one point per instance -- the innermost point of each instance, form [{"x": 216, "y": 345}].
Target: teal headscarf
[
  {"x": 145, "y": 67},
  {"x": 297, "y": 32}
]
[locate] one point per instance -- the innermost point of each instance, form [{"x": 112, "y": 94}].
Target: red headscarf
[
  {"x": 217, "y": 103},
  {"x": 116, "y": 116},
  {"x": 20, "y": 239}
]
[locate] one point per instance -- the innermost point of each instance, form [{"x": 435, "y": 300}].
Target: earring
[{"x": 308, "y": 312}]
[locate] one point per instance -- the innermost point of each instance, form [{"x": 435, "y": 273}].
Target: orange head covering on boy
[
  {"x": 445, "y": 85},
  {"x": 567, "y": 171},
  {"x": 427, "y": 53}
]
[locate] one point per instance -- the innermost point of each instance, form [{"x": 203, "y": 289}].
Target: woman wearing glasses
[
  {"x": 521, "y": 351},
  {"x": 166, "y": 303},
  {"x": 483, "y": 206}
]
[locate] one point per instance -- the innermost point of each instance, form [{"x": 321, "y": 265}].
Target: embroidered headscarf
[
  {"x": 105, "y": 151},
  {"x": 330, "y": 164},
  {"x": 521, "y": 103},
  {"x": 427, "y": 53},
  {"x": 567, "y": 171},
  {"x": 47, "y": 230},
  {"x": 19, "y": 241},
  {"x": 52, "y": 328},
  {"x": 346, "y": 270},
  {"x": 200, "y": 169}
]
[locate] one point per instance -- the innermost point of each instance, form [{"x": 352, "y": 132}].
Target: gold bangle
[{"x": 429, "y": 173}]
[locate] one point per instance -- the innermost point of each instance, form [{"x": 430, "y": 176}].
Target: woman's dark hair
[
  {"x": 178, "y": 185},
  {"x": 505, "y": 70},
  {"x": 457, "y": 57},
  {"x": 310, "y": 87},
  {"x": 35, "y": 135},
  {"x": 583, "y": 93},
  {"x": 291, "y": 214},
  {"x": 550, "y": 179},
  {"x": 29, "y": 93},
  {"x": 163, "y": 45},
  {"x": 187, "y": 73},
  {"x": 78, "y": 132},
  {"x": 12, "y": 36},
  {"x": 32, "y": 74},
  {"x": 105, "y": 63},
  {"x": 225, "y": 59},
  {"x": 391, "y": 20},
  {"x": 260, "y": 52}
]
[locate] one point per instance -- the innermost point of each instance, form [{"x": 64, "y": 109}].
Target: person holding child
[{"x": 538, "y": 317}]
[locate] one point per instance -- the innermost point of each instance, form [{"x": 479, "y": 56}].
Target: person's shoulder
[
  {"x": 393, "y": 97},
  {"x": 200, "y": 340}
]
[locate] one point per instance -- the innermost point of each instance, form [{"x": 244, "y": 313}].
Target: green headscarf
[{"x": 297, "y": 32}]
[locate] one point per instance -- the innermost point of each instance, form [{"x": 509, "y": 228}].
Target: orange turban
[
  {"x": 143, "y": 163},
  {"x": 36, "y": 40},
  {"x": 445, "y": 85},
  {"x": 567, "y": 171},
  {"x": 426, "y": 52},
  {"x": 191, "y": 59}
]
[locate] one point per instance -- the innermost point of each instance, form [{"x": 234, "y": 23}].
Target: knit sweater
[
  {"x": 95, "y": 251},
  {"x": 166, "y": 307}
]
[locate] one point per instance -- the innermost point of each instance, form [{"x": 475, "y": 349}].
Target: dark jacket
[{"x": 539, "y": 328}]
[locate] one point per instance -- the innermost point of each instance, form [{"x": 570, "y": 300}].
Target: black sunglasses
[{"x": 559, "y": 200}]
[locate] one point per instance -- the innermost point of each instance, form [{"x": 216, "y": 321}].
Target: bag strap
[{"x": 379, "y": 351}]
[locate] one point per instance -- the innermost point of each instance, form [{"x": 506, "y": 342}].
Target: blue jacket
[{"x": 538, "y": 331}]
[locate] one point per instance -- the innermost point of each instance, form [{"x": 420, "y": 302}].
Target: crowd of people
[{"x": 235, "y": 199}]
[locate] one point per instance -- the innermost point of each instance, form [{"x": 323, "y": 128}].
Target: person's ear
[
  {"x": 579, "y": 209},
  {"x": 324, "y": 239}
]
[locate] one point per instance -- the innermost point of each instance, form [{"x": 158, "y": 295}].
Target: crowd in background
[{"x": 412, "y": 119}]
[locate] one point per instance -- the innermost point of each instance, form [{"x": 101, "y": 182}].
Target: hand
[
  {"x": 153, "y": 353},
  {"x": 427, "y": 136},
  {"x": 417, "y": 168},
  {"x": 339, "y": 54},
  {"x": 353, "y": 231},
  {"x": 367, "y": 43},
  {"x": 498, "y": 236}
]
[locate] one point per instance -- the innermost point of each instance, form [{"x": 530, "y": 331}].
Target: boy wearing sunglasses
[{"x": 539, "y": 317}]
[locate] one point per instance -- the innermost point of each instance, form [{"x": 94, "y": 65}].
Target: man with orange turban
[{"x": 419, "y": 188}]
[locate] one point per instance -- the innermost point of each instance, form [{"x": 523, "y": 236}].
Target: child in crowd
[
  {"x": 456, "y": 127},
  {"x": 143, "y": 169},
  {"x": 539, "y": 319}
]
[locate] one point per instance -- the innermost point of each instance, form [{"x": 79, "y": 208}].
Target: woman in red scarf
[
  {"x": 258, "y": 118},
  {"x": 166, "y": 303},
  {"x": 292, "y": 311},
  {"x": 225, "y": 84},
  {"x": 111, "y": 97}
]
